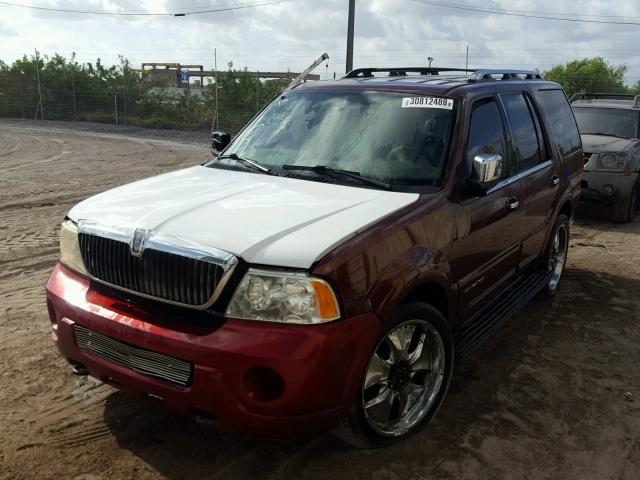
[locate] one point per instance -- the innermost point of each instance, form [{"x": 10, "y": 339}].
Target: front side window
[
  {"x": 563, "y": 126},
  {"x": 486, "y": 133},
  {"x": 613, "y": 122},
  {"x": 397, "y": 138},
  {"x": 524, "y": 135}
]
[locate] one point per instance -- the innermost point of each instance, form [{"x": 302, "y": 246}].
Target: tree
[
  {"x": 589, "y": 75},
  {"x": 90, "y": 92}
]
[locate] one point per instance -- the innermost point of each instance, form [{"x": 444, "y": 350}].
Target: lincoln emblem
[{"x": 137, "y": 242}]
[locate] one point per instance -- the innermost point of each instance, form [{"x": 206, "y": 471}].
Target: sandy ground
[{"x": 555, "y": 395}]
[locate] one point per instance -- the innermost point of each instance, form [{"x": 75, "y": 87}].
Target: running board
[{"x": 484, "y": 323}]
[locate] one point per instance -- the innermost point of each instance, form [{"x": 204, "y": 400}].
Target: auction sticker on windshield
[{"x": 427, "y": 102}]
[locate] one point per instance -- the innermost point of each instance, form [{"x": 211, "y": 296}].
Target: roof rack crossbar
[
  {"x": 397, "y": 71},
  {"x": 487, "y": 74},
  {"x": 606, "y": 96}
]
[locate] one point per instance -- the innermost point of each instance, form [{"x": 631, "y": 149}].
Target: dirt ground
[{"x": 555, "y": 395}]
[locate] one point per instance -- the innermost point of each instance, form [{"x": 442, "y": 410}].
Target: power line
[
  {"x": 183, "y": 12},
  {"x": 513, "y": 13},
  {"x": 548, "y": 13}
]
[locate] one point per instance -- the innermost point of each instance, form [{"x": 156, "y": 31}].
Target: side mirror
[
  {"x": 219, "y": 141},
  {"x": 487, "y": 168}
]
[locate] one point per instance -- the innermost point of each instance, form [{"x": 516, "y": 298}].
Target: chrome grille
[
  {"x": 168, "y": 276},
  {"x": 151, "y": 364}
]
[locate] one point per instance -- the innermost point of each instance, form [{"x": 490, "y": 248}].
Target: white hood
[{"x": 263, "y": 219}]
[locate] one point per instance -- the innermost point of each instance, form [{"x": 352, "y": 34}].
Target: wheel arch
[
  {"x": 432, "y": 293},
  {"x": 435, "y": 290},
  {"x": 567, "y": 209}
]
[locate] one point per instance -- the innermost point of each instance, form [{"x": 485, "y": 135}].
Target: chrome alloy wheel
[
  {"x": 403, "y": 378},
  {"x": 558, "y": 256}
]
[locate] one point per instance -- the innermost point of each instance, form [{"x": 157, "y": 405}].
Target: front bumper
[
  {"x": 607, "y": 187},
  {"x": 320, "y": 366}
]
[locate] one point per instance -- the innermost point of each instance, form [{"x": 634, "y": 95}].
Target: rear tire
[
  {"x": 405, "y": 380},
  {"x": 556, "y": 255},
  {"x": 625, "y": 210}
]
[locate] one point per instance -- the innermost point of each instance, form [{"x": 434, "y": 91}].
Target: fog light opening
[
  {"x": 608, "y": 189},
  {"x": 53, "y": 316},
  {"x": 263, "y": 384},
  {"x": 204, "y": 418},
  {"x": 78, "y": 369}
]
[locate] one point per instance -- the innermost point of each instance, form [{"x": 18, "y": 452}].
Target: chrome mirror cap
[{"x": 487, "y": 167}]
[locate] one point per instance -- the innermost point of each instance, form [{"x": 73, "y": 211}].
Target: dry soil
[{"x": 555, "y": 395}]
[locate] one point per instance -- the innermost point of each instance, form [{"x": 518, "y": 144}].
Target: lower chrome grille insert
[{"x": 151, "y": 364}]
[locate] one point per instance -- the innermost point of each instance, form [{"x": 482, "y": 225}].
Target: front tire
[
  {"x": 625, "y": 210},
  {"x": 405, "y": 380}
]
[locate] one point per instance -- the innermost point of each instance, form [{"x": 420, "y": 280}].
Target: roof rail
[
  {"x": 476, "y": 75},
  {"x": 398, "y": 71},
  {"x": 487, "y": 74},
  {"x": 607, "y": 96}
]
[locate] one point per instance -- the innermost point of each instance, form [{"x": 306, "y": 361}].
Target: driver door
[{"x": 488, "y": 243}]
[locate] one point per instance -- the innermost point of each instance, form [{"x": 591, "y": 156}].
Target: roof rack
[
  {"x": 607, "y": 96},
  {"x": 475, "y": 75},
  {"x": 488, "y": 74},
  {"x": 397, "y": 72}
]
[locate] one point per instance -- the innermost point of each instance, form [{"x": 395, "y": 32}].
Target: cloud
[{"x": 290, "y": 35}]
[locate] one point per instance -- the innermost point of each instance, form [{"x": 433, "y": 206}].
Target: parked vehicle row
[
  {"x": 327, "y": 268},
  {"x": 610, "y": 128}
]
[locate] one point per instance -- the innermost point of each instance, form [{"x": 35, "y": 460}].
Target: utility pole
[
  {"x": 115, "y": 104},
  {"x": 350, "y": 34},
  {"x": 39, "y": 89},
  {"x": 257, "y": 91},
  {"x": 215, "y": 71},
  {"x": 467, "y": 64},
  {"x": 73, "y": 92}
]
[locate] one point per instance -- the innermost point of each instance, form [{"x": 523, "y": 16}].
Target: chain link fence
[
  {"x": 57, "y": 89},
  {"x": 584, "y": 84},
  {"x": 53, "y": 89}
]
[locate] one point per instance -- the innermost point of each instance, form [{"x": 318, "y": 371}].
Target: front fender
[{"x": 408, "y": 272}]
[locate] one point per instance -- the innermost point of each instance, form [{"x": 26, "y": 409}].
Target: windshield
[
  {"x": 607, "y": 121},
  {"x": 400, "y": 139}
]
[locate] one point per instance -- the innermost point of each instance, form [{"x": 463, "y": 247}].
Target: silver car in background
[{"x": 609, "y": 125}]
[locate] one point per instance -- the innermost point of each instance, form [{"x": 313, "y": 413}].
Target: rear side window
[
  {"x": 486, "y": 133},
  {"x": 524, "y": 134},
  {"x": 563, "y": 125}
]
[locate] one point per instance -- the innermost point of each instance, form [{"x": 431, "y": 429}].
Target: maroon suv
[{"x": 325, "y": 269}]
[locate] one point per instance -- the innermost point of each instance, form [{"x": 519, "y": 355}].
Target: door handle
[
  {"x": 555, "y": 180},
  {"x": 513, "y": 203}
]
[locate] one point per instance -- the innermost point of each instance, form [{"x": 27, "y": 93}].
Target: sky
[{"x": 291, "y": 34}]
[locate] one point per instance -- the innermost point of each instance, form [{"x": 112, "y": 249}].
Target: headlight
[
  {"x": 283, "y": 297},
  {"x": 70, "y": 254},
  {"x": 610, "y": 161}
]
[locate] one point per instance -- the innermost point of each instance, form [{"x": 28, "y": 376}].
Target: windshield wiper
[
  {"x": 324, "y": 170},
  {"x": 600, "y": 134},
  {"x": 251, "y": 163}
]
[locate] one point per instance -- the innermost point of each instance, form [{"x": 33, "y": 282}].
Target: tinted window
[
  {"x": 486, "y": 134},
  {"x": 607, "y": 121},
  {"x": 523, "y": 131},
  {"x": 563, "y": 124}
]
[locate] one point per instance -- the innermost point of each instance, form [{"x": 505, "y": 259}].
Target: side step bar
[{"x": 484, "y": 324}]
